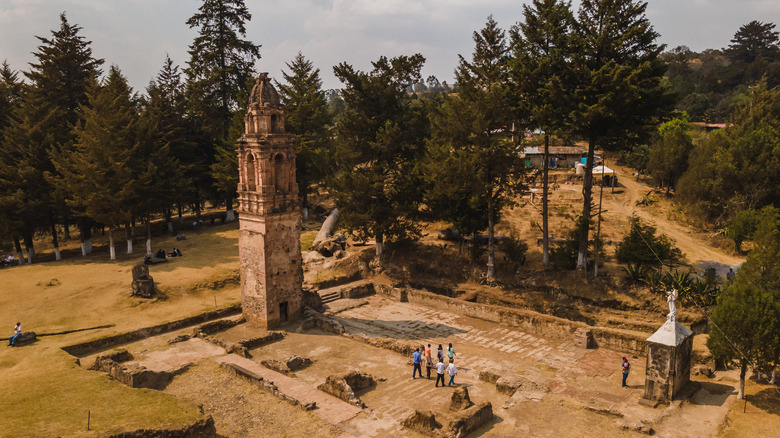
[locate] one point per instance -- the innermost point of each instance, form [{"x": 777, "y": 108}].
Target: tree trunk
[
  {"x": 181, "y": 216},
  {"x": 598, "y": 229},
  {"x": 491, "y": 267},
  {"x": 132, "y": 228},
  {"x": 545, "y": 201},
  {"x": 149, "y": 236},
  {"x": 304, "y": 199},
  {"x": 742, "y": 373},
  {"x": 66, "y": 229},
  {"x": 230, "y": 216},
  {"x": 55, "y": 243},
  {"x": 380, "y": 244},
  {"x": 30, "y": 246},
  {"x": 773, "y": 380},
  {"x": 111, "y": 244},
  {"x": 85, "y": 232},
  {"x": 129, "y": 236},
  {"x": 19, "y": 255},
  {"x": 587, "y": 194}
]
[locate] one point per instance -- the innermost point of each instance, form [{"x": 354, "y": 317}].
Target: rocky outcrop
[
  {"x": 344, "y": 386},
  {"x": 460, "y": 399},
  {"x": 423, "y": 422},
  {"x": 469, "y": 420},
  {"x": 292, "y": 364}
]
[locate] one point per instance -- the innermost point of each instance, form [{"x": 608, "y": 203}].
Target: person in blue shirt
[{"x": 416, "y": 359}]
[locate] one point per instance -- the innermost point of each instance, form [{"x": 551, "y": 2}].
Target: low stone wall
[
  {"x": 526, "y": 320},
  {"x": 134, "y": 376},
  {"x": 264, "y": 384},
  {"x": 200, "y": 429},
  {"x": 90, "y": 347},
  {"x": 212, "y": 327},
  {"x": 243, "y": 346}
]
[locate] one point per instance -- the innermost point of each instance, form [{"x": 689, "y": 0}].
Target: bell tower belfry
[{"x": 269, "y": 243}]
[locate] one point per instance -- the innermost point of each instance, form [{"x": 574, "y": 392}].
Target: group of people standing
[{"x": 426, "y": 357}]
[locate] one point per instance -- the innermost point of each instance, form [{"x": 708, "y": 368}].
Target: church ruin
[{"x": 269, "y": 216}]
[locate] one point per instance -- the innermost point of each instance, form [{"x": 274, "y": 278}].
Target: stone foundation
[
  {"x": 133, "y": 376},
  {"x": 200, "y": 429},
  {"x": 343, "y": 386},
  {"x": 423, "y": 422}
]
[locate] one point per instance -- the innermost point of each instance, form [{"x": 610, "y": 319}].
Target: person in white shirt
[
  {"x": 451, "y": 370},
  {"x": 440, "y": 373},
  {"x": 18, "y": 332}
]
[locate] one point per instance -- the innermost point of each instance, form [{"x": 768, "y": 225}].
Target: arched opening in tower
[{"x": 251, "y": 185}]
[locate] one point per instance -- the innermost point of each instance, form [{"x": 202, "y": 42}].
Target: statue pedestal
[{"x": 668, "y": 362}]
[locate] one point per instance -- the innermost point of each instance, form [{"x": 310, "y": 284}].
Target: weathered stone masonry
[{"x": 269, "y": 244}]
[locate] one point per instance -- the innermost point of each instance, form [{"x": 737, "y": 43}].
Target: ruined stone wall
[{"x": 526, "y": 320}]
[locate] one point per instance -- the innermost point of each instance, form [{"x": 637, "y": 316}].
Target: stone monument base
[{"x": 668, "y": 362}]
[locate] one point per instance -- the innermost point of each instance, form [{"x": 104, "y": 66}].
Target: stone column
[{"x": 668, "y": 362}]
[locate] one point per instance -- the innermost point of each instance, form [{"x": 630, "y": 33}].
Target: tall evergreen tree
[
  {"x": 99, "y": 174},
  {"x": 669, "y": 154},
  {"x": 25, "y": 195},
  {"x": 221, "y": 63},
  {"x": 60, "y": 77},
  {"x": 165, "y": 113},
  {"x": 10, "y": 93},
  {"x": 619, "y": 90},
  {"x": 306, "y": 116},
  {"x": 380, "y": 138},
  {"x": 477, "y": 132},
  {"x": 541, "y": 69}
]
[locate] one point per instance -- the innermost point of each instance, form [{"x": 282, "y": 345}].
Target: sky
[{"x": 136, "y": 35}]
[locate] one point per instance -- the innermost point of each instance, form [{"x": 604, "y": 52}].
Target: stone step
[{"x": 330, "y": 297}]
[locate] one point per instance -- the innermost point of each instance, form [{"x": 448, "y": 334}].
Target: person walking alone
[
  {"x": 451, "y": 370},
  {"x": 626, "y": 369},
  {"x": 440, "y": 373},
  {"x": 416, "y": 359},
  {"x": 451, "y": 353}
]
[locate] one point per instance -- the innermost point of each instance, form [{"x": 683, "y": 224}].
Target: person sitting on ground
[
  {"x": 178, "y": 252},
  {"x": 15, "y": 336},
  {"x": 172, "y": 253},
  {"x": 160, "y": 254}
]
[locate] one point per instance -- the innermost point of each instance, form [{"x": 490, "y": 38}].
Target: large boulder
[
  {"x": 469, "y": 420},
  {"x": 423, "y": 422}
]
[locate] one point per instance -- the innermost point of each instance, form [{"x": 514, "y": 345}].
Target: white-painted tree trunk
[
  {"x": 170, "y": 227},
  {"x": 380, "y": 248},
  {"x": 230, "y": 216},
  {"x": 30, "y": 255},
  {"x": 774, "y": 376},
  {"x": 129, "y": 246},
  {"x": 305, "y": 213},
  {"x": 86, "y": 247},
  {"x": 148, "y": 246},
  {"x": 83, "y": 249},
  {"x": 111, "y": 249},
  {"x": 57, "y": 254}
]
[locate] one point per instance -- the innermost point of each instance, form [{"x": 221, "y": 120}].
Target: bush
[
  {"x": 514, "y": 248},
  {"x": 742, "y": 227},
  {"x": 564, "y": 255},
  {"x": 643, "y": 248}
]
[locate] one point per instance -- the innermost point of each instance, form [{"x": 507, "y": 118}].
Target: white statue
[{"x": 671, "y": 298}]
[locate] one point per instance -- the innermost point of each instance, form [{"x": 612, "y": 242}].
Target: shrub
[
  {"x": 643, "y": 248},
  {"x": 564, "y": 255},
  {"x": 742, "y": 227}
]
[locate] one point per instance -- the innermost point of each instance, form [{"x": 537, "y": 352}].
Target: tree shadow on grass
[
  {"x": 767, "y": 399},
  {"x": 711, "y": 394},
  {"x": 410, "y": 330}
]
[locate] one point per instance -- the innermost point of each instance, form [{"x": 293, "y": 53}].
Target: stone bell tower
[{"x": 269, "y": 243}]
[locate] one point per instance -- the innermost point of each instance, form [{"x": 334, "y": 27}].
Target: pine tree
[
  {"x": 10, "y": 93},
  {"x": 380, "y": 138},
  {"x": 221, "y": 63},
  {"x": 619, "y": 91},
  {"x": 541, "y": 68},
  {"x": 477, "y": 128},
  {"x": 669, "y": 154},
  {"x": 24, "y": 194},
  {"x": 306, "y": 116},
  {"x": 165, "y": 113},
  {"x": 60, "y": 77},
  {"x": 99, "y": 174}
]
